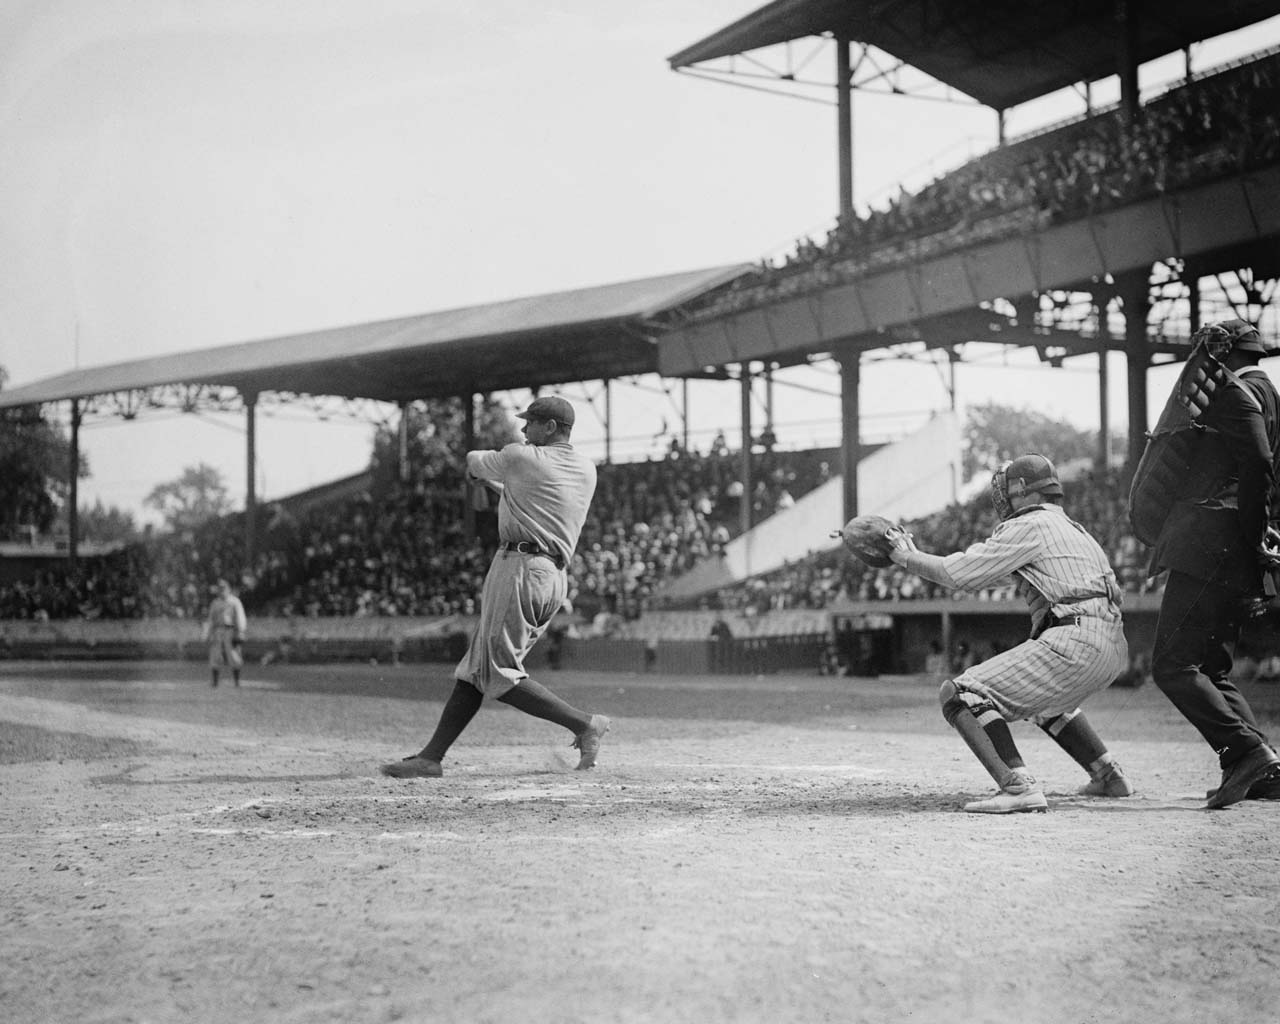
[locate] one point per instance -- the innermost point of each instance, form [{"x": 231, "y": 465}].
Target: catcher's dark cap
[
  {"x": 550, "y": 408},
  {"x": 1035, "y": 472}
]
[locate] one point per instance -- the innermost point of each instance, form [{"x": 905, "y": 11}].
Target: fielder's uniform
[
  {"x": 223, "y": 630},
  {"x": 1077, "y": 644},
  {"x": 545, "y": 493}
]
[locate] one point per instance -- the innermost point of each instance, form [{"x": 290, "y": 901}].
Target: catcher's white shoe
[{"x": 1020, "y": 794}]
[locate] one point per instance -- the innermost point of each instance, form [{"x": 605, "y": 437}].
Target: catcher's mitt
[{"x": 867, "y": 538}]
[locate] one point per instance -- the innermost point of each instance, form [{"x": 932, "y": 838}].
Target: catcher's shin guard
[
  {"x": 983, "y": 731},
  {"x": 1075, "y": 735}
]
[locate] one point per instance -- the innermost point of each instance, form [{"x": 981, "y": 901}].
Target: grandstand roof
[
  {"x": 585, "y": 334},
  {"x": 1000, "y": 52}
]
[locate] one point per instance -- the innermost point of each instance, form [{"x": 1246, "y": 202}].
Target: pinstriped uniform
[{"x": 1061, "y": 571}]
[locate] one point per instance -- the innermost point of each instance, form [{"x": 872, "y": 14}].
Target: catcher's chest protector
[{"x": 1179, "y": 460}]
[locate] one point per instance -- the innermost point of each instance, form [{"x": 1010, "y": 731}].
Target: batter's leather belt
[{"x": 528, "y": 547}]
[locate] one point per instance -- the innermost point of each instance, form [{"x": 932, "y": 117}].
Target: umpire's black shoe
[
  {"x": 1237, "y": 779},
  {"x": 1266, "y": 788}
]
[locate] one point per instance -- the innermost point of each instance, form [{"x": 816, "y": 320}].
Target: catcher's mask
[
  {"x": 1023, "y": 475},
  {"x": 1226, "y": 336}
]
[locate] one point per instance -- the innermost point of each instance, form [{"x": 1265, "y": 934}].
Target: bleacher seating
[
  {"x": 1224, "y": 123},
  {"x": 404, "y": 557}
]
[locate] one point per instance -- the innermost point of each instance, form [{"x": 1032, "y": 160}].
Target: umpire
[{"x": 1213, "y": 542}]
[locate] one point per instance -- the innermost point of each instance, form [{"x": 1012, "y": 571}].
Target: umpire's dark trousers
[{"x": 1196, "y": 635}]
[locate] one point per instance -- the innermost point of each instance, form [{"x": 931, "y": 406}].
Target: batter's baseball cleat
[
  {"x": 1238, "y": 779},
  {"x": 414, "y": 767},
  {"x": 1111, "y": 782},
  {"x": 588, "y": 741}
]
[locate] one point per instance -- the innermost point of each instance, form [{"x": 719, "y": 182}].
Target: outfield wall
[{"x": 886, "y": 638}]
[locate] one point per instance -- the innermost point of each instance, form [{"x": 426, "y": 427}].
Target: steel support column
[
  {"x": 251, "y": 479},
  {"x": 402, "y": 432},
  {"x": 468, "y": 444},
  {"x": 748, "y": 485},
  {"x": 608, "y": 422},
  {"x": 73, "y": 499},
  {"x": 1103, "y": 456},
  {"x": 844, "y": 124},
  {"x": 684, "y": 414},
  {"x": 850, "y": 427},
  {"x": 1135, "y": 294},
  {"x": 1127, "y": 18}
]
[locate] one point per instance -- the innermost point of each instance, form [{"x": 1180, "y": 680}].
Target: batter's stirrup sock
[
  {"x": 1073, "y": 733},
  {"x": 531, "y": 697},
  {"x": 459, "y": 709}
]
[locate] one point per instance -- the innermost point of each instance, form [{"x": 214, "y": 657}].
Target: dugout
[
  {"x": 983, "y": 627},
  {"x": 988, "y": 626},
  {"x": 864, "y": 644}
]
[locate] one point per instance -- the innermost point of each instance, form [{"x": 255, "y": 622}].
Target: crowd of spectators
[
  {"x": 402, "y": 548},
  {"x": 652, "y": 521},
  {"x": 834, "y": 577},
  {"x": 1225, "y": 123},
  {"x": 406, "y": 552}
]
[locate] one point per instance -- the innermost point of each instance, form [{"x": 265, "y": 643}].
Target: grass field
[{"x": 774, "y": 849}]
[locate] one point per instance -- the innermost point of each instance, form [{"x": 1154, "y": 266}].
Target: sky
[{"x": 178, "y": 174}]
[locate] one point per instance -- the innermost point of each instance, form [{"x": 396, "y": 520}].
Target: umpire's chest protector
[
  {"x": 1183, "y": 459},
  {"x": 1182, "y": 498}
]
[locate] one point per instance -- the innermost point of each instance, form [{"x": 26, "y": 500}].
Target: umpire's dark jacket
[{"x": 1216, "y": 530}]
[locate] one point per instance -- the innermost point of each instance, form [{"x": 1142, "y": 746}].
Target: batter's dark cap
[{"x": 550, "y": 408}]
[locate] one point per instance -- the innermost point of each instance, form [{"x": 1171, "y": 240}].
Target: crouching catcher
[{"x": 1076, "y": 648}]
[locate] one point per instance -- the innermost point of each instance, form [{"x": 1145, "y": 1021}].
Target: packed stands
[
  {"x": 834, "y": 577},
  {"x": 1224, "y": 123},
  {"x": 405, "y": 553},
  {"x": 400, "y": 548}
]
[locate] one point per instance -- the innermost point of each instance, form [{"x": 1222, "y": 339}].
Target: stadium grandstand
[{"x": 1114, "y": 231}]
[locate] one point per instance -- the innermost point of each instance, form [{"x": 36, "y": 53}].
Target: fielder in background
[
  {"x": 224, "y": 630},
  {"x": 1204, "y": 496},
  {"x": 1077, "y": 645},
  {"x": 545, "y": 489}
]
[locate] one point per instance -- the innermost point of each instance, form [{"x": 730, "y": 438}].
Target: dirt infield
[{"x": 779, "y": 849}]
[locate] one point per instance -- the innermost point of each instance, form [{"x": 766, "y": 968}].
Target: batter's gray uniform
[
  {"x": 546, "y": 491},
  {"x": 1078, "y": 645}
]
